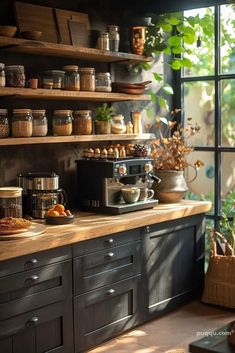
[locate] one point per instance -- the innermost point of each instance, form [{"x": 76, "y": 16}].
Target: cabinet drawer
[
  {"x": 104, "y": 267},
  {"x": 35, "y": 288},
  {"x": 103, "y": 313},
  {"x": 106, "y": 242},
  {"x": 35, "y": 260},
  {"x": 48, "y": 329}
]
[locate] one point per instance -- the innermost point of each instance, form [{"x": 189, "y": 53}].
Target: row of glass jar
[
  {"x": 71, "y": 78},
  {"x": 27, "y": 123}
]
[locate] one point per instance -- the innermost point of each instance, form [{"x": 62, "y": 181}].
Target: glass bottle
[
  {"x": 15, "y": 76},
  {"x": 87, "y": 79},
  {"x": 71, "y": 78},
  {"x": 22, "y": 123},
  {"x": 114, "y": 37},
  {"x": 82, "y": 123},
  {"x": 2, "y": 75},
  {"x": 4, "y": 123},
  {"x": 40, "y": 125},
  {"x": 103, "y": 82},
  {"x": 62, "y": 123}
]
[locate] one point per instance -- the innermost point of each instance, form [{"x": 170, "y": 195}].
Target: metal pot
[{"x": 38, "y": 181}]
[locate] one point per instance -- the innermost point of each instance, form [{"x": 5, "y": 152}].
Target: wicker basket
[{"x": 220, "y": 277}]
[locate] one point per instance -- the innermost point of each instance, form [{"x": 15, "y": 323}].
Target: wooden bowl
[
  {"x": 33, "y": 35},
  {"x": 59, "y": 220},
  {"x": 8, "y": 31}
]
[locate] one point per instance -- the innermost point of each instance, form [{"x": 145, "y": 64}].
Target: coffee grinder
[{"x": 99, "y": 184}]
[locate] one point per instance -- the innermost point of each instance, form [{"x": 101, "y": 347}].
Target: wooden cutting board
[
  {"x": 68, "y": 22},
  {"x": 37, "y": 18}
]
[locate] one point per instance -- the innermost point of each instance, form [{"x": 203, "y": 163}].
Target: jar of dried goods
[
  {"x": 55, "y": 76},
  {"x": 4, "y": 123},
  {"x": 103, "y": 41},
  {"x": 62, "y": 123},
  {"x": 82, "y": 124},
  {"x": 118, "y": 125},
  {"x": 15, "y": 76},
  {"x": 71, "y": 78},
  {"x": 87, "y": 79},
  {"x": 10, "y": 201},
  {"x": 40, "y": 125},
  {"x": 103, "y": 82},
  {"x": 114, "y": 37},
  {"x": 22, "y": 123},
  {"x": 2, "y": 75}
]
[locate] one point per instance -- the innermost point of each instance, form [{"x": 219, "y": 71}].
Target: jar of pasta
[
  {"x": 82, "y": 124},
  {"x": 22, "y": 123},
  {"x": 87, "y": 79},
  {"x": 62, "y": 123}
]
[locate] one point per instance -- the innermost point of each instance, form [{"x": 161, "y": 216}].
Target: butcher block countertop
[{"x": 90, "y": 225}]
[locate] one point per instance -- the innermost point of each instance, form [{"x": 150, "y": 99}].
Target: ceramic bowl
[
  {"x": 33, "y": 35},
  {"x": 59, "y": 220},
  {"x": 8, "y": 31}
]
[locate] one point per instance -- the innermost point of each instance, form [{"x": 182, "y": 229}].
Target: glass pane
[
  {"x": 227, "y": 175},
  {"x": 199, "y": 105},
  {"x": 202, "y": 52},
  {"x": 228, "y": 112},
  {"x": 202, "y": 188},
  {"x": 227, "y": 50}
]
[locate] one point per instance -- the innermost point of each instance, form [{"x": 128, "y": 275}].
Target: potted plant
[
  {"x": 170, "y": 151},
  {"x": 103, "y": 119}
]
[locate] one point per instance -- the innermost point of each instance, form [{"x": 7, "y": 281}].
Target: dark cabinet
[{"x": 173, "y": 264}]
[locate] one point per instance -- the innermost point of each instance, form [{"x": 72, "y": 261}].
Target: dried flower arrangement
[{"x": 170, "y": 150}]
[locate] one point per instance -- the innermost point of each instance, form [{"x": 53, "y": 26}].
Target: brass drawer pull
[
  {"x": 34, "y": 320},
  {"x": 31, "y": 262},
  {"x": 110, "y": 292},
  {"x": 110, "y": 255},
  {"x": 31, "y": 279},
  {"x": 109, "y": 241}
]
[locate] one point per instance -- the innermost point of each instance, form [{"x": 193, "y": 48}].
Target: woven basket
[{"x": 220, "y": 277}]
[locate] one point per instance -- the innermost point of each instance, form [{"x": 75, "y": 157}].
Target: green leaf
[
  {"x": 186, "y": 62},
  {"x": 178, "y": 50},
  {"x": 167, "y": 51},
  {"x": 157, "y": 76},
  {"x": 174, "y": 41},
  {"x": 145, "y": 66},
  {"x": 174, "y": 21},
  {"x": 189, "y": 39},
  {"x": 167, "y": 89},
  {"x": 176, "y": 64},
  {"x": 152, "y": 96},
  {"x": 162, "y": 102},
  {"x": 167, "y": 27},
  {"x": 149, "y": 112},
  {"x": 189, "y": 30}
]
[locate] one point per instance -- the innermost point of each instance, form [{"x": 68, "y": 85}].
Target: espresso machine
[
  {"x": 40, "y": 192},
  {"x": 100, "y": 181}
]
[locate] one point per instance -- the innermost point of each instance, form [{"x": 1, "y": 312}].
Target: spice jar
[
  {"x": 40, "y": 125},
  {"x": 2, "y": 75},
  {"x": 15, "y": 76},
  {"x": 114, "y": 37},
  {"x": 22, "y": 123},
  {"x": 82, "y": 123},
  {"x": 4, "y": 123},
  {"x": 87, "y": 79},
  {"x": 10, "y": 202},
  {"x": 103, "y": 82},
  {"x": 55, "y": 76},
  {"x": 62, "y": 123},
  {"x": 71, "y": 78},
  {"x": 103, "y": 41},
  {"x": 118, "y": 125}
]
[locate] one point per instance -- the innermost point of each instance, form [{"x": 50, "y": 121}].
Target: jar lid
[
  {"x": 22, "y": 111},
  {"x": 14, "y": 67},
  {"x": 103, "y": 74},
  {"x": 105, "y": 34},
  {"x": 3, "y": 111},
  {"x": 10, "y": 191},
  {"x": 61, "y": 111},
  {"x": 88, "y": 70},
  {"x": 118, "y": 117},
  {"x": 39, "y": 111},
  {"x": 54, "y": 72},
  {"x": 82, "y": 111},
  {"x": 113, "y": 27},
  {"x": 70, "y": 68}
]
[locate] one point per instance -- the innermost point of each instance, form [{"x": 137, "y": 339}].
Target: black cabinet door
[
  {"x": 173, "y": 264},
  {"x": 48, "y": 329},
  {"x": 103, "y": 313}
]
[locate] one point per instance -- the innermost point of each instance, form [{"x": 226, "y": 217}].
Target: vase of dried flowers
[{"x": 169, "y": 152}]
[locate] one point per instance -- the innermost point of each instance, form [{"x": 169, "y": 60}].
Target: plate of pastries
[{"x": 16, "y": 227}]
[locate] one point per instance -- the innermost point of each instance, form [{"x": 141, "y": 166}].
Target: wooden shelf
[
  {"x": 11, "y": 141},
  {"x": 41, "y": 93},
  {"x": 68, "y": 51}
]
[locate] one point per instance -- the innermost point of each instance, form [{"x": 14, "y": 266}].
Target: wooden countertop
[{"x": 90, "y": 225}]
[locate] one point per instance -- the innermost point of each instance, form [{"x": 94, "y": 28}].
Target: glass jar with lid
[
  {"x": 4, "y": 123},
  {"x": 22, "y": 123},
  {"x": 71, "y": 78},
  {"x": 82, "y": 124},
  {"x": 55, "y": 76},
  {"x": 114, "y": 37},
  {"x": 2, "y": 75},
  {"x": 103, "y": 82},
  {"x": 40, "y": 125},
  {"x": 62, "y": 123},
  {"x": 15, "y": 76},
  {"x": 10, "y": 201},
  {"x": 87, "y": 79},
  {"x": 118, "y": 125},
  {"x": 103, "y": 41}
]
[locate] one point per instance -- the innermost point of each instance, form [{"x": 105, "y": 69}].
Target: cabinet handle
[
  {"x": 109, "y": 241},
  {"x": 110, "y": 255},
  {"x": 110, "y": 292},
  {"x": 31, "y": 279},
  {"x": 34, "y": 320},
  {"x": 31, "y": 262}
]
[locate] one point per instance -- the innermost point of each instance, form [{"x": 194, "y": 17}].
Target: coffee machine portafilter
[{"x": 100, "y": 181}]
